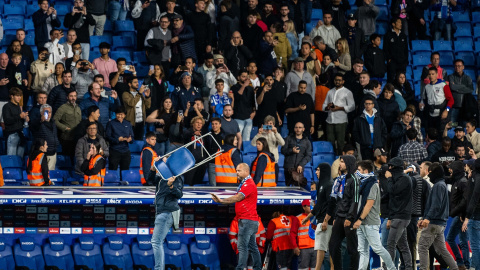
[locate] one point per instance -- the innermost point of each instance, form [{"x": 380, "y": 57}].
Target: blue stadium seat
[
  {"x": 317, "y": 14},
  {"x": 116, "y": 253},
  {"x": 417, "y": 74},
  {"x": 310, "y": 26},
  {"x": 87, "y": 253},
  {"x": 381, "y": 28},
  {"x": 409, "y": 73},
  {"x": 203, "y": 252},
  {"x": 176, "y": 253},
  {"x": 96, "y": 40},
  {"x": 30, "y": 41},
  {"x": 6, "y": 256},
  {"x": 122, "y": 42},
  {"x": 94, "y": 55},
  {"x": 476, "y": 32},
  {"x": 125, "y": 54},
  {"x": 253, "y": 132},
  {"x": 324, "y": 158},
  {"x": 442, "y": 46},
  {"x": 64, "y": 163},
  {"x": 142, "y": 70},
  {"x": 417, "y": 86},
  {"x": 471, "y": 73},
  {"x": 14, "y": 9},
  {"x": 10, "y": 26},
  {"x": 249, "y": 148},
  {"x": 421, "y": 60},
  {"x": 63, "y": 10},
  {"x": 381, "y": 3},
  {"x": 446, "y": 59},
  {"x": 459, "y": 16},
  {"x": 179, "y": 162},
  {"x": 28, "y": 26},
  {"x": 132, "y": 177},
  {"x": 322, "y": 147},
  {"x": 30, "y": 10},
  {"x": 462, "y": 46},
  {"x": 140, "y": 58},
  {"x": 136, "y": 147},
  {"x": 383, "y": 14},
  {"x": 124, "y": 26},
  {"x": 281, "y": 159},
  {"x": 142, "y": 252},
  {"x": 135, "y": 162},
  {"x": 281, "y": 177},
  {"x": 112, "y": 178},
  {"x": 12, "y": 176},
  {"x": 467, "y": 57},
  {"x": 59, "y": 176},
  {"x": 308, "y": 173},
  {"x": 249, "y": 158},
  {"x": 477, "y": 46},
  {"x": 476, "y": 17},
  {"x": 58, "y": 254},
  {"x": 11, "y": 161},
  {"x": 28, "y": 254},
  {"x": 7, "y": 40},
  {"x": 463, "y": 32}
]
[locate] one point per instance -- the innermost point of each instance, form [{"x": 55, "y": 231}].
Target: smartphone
[
  {"x": 276, "y": 38},
  {"x": 454, "y": 124},
  {"x": 45, "y": 114},
  {"x": 180, "y": 112},
  {"x": 267, "y": 127},
  {"x": 183, "y": 68},
  {"x": 77, "y": 52},
  {"x": 78, "y": 8},
  {"x": 108, "y": 93},
  {"x": 126, "y": 67}
]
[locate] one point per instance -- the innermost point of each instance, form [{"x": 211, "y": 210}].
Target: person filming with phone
[
  {"x": 271, "y": 134},
  {"x": 80, "y": 20},
  {"x": 297, "y": 151},
  {"x": 82, "y": 76},
  {"x": 136, "y": 102}
]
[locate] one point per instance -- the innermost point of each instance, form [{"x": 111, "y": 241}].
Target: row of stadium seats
[{"x": 113, "y": 254}]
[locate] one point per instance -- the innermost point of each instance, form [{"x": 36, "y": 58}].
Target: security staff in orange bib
[
  {"x": 308, "y": 256},
  {"x": 94, "y": 166},
  {"x": 263, "y": 167},
  {"x": 282, "y": 231},
  {"x": 227, "y": 162},
  {"x": 260, "y": 237},
  {"x": 37, "y": 165},
  {"x": 147, "y": 158}
]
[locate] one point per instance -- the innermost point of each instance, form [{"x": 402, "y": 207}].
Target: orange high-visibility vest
[
  {"x": 1, "y": 176},
  {"x": 225, "y": 172},
  {"x": 268, "y": 178},
  {"x": 97, "y": 179},
  {"x": 154, "y": 156},
  {"x": 260, "y": 236},
  {"x": 35, "y": 176},
  {"x": 304, "y": 240},
  {"x": 281, "y": 234}
]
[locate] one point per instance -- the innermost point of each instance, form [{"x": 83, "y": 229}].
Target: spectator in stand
[
  {"x": 367, "y": 14},
  {"x": 182, "y": 43},
  {"x": 25, "y": 49},
  {"x": 442, "y": 23},
  {"x": 213, "y": 145},
  {"x": 244, "y": 105},
  {"x": 303, "y": 8},
  {"x": 104, "y": 64},
  {"x": 267, "y": 58},
  {"x": 41, "y": 69},
  {"x": 253, "y": 33},
  {"x": 158, "y": 86},
  {"x": 269, "y": 13},
  {"x": 98, "y": 10},
  {"x": 300, "y": 107},
  {"x": 412, "y": 151},
  {"x": 117, "y": 10},
  {"x": 292, "y": 37},
  {"x": 416, "y": 24},
  {"x": 319, "y": 43},
  {"x": 396, "y": 50},
  {"x": 58, "y": 96},
  {"x": 145, "y": 15},
  {"x": 297, "y": 151},
  {"x": 229, "y": 23},
  {"x": 80, "y": 20},
  {"x": 344, "y": 62},
  {"x": 159, "y": 118},
  {"x": 356, "y": 79},
  {"x": 298, "y": 74},
  {"x": 104, "y": 104},
  {"x": 459, "y": 138},
  {"x": 44, "y": 20},
  {"x": 196, "y": 110},
  {"x": 230, "y": 125},
  {"x": 252, "y": 6},
  {"x": 55, "y": 79},
  {"x": 18, "y": 76},
  {"x": 14, "y": 119},
  {"x": 326, "y": 30},
  {"x": 202, "y": 28},
  {"x": 4, "y": 95},
  {"x": 446, "y": 155},
  {"x": 93, "y": 166},
  {"x": 267, "y": 100},
  {"x": 67, "y": 118},
  {"x": 404, "y": 87},
  {"x": 320, "y": 95},
  {"x": 219, "y": 99},
  {"x": 280, "y": 88},
  {"x": 119, "y": 133},
  {"x": 93, "y": 114},
  {"x": 373, "y": 90},
  {"x": 348, "y": 149},
  {"x": 439, "y": 99},
  {"x": 338, "y": 103},
  {"x": 338, "y": 9},
  {"x": 401, "y": 9},
  {"x": 118, "y": 80},
  {"x": 37, "y": 166},
  {"x": 312, "y": 61},
  {"x": 355, "y": 36},
  {"x": 473, "y": 136},
  {"x": 82, "y": 77},
  {"x": 157, "y": 45},
  {"x": 399, "y": 128},
  {"x": 34, "y": 113},
  {"x": 283, "y": 49},
  {"x": 71, "y": 62},
  {"x": 169, "y": 8},
  {"x": 16, "y": 47},
  {"x": 433, "y": 145},
  {"x": 375, "y": 58},
  {"x": 237, "y": 54},
  {"x": 255, "y": 80},
  {"x": 271, "y": 135},
  {"x": 197, "y": 79},
  {"x": 369, "y": 130},
  {"x": 263, "y": 169},
  {"x": 219, "y": 71},
  {"x": 47, "y": 130},
  {"x": 204, "y": 70},
  {"x": 380, "y": 158},
  {"x": 185, "y": 92},
  {"x": 435, "y": 62},
  {"x": 147, "y": 159},
  {"x": 195, "y": 176},
  {"x": 460, "y": 84},
  {"x": 136, "y": 103},
  {"x": 56, "y": 50}
]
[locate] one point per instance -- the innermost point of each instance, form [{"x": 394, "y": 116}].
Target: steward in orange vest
[
  {"x": 1, "y": 176},
  {"x": 263, "y": 170},
  {"x": 260, "y": 236},
  {"x": 37, "y": 165},
  {"x": 94, "y": 166},
  {"x": 282, "y": 231},
  {"x": 225, "y": 168},
  {"x": 308, "y": 256},
  {"x": 147, "y": 158}
]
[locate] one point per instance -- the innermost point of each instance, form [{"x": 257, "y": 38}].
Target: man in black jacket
[
  {"x": 458, "y": 210},
  {"x": 355, "y": 37},
  {"x": 44, "y": 19},
  {"x": 80, "y": 20},
  {"x": 435, "y": 220},
  {"x": 395, "y": 46},
  {"x": 375, "y": 58},
  {"x": 323, "y": 211},
  {"x": 14, "y": 118},
  {"x": 202, "y": 29},
  {"x": 237, "y": 54},
  {"x": 369, "y": 130},
  {"x": 399, "y": 188},
  {"x": 472, "y": 218},
  {"x": 319, "y": 43},
  {"x": 345, "y": 192},
  {"x": 46, "y": 129},
  {"x": 58, "y": 95}
]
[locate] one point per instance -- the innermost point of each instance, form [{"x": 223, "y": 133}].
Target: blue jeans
[
  {"x": 247, "y": 244},
  {"x": 163, "y": 223},
  {"x": 85, "y": 52},
  {"x": 474, "y": 235},
  {"x": 245, "y": 128},
  {"x": 368, "y": 236},
  {"x": 116, "y": 11},
  {"x": 13, "y": 146},
  {"x": 456, "y": 229},
  {"x": 163, "y": 147}
]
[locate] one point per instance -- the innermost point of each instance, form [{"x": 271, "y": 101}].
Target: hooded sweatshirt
[
  {"x": 348, "y": 200},
  {"x": 325, "y": 203},
  {"x": 399, "y": 187},
  {"x": 459, "y": 192},
  {"x": 437, "y": 206}
]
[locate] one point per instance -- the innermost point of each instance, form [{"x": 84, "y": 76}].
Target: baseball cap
[
  {"x": 379, "y": 152},
  {"x": 351, "y": 16},
  {"x": 458, "y": 128},
  {"x": 217, "y": 56},
  {"x": 469, "y": 162},
  {"x": 298, "y": 59},
  {"x": 306, "y": 202},
  {"x": 177, "y": 16}
]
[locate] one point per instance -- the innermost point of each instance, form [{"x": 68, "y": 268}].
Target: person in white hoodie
[
  {"x": 56, "y": 50},
  {"x": 326, "y": 30}
]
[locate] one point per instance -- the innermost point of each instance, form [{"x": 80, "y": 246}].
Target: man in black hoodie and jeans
[
  {"x": 345, "y": 192},
  {"x": 399, "y": 188},
  {"x": 435, "y": 220}
]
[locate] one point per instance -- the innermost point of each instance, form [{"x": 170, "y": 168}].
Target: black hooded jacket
[
  {"x": 347, "y": 206},
  {"x": 400, "y": 190},
  {"x": 437, "y": 207},
  {"x": 384, "y": 210},
  {"x": 458, "y": 195},
  {"x": 325, "y": 203}
]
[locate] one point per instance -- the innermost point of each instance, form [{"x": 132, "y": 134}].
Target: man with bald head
[
  {"x": 246, "y": 212},
  {"x": 4, "y": 98},
  {"x": 237, "y": 54}
]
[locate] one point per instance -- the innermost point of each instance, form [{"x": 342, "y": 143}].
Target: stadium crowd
[{"x": 252, "y": 73}]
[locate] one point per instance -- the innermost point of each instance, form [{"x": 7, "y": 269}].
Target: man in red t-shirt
[{"x": 246, "y": 212}]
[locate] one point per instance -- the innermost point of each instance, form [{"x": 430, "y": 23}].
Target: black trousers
[
  {"x": 393, "y": 67},
  {"x": 139, "y": 131},
  {"x": 339, "y": 232},
  {"x": 196, "y": 175},
  {"x": 118, "y": 158}
]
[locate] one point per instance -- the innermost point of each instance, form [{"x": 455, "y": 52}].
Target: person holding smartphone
[
  {"x": 271, "y": 134},
  {"x": 93, "y": 166},
  {"x": 80, "y": 20}
]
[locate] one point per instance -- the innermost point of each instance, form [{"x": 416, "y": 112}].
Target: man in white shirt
[
  {"x": 57, "y": 51},
  {"x": 326, "y": 30},
  {"x": 221, "y": 71},
  {"x": 338, "y": 103},
  {"x": 67, "y": 46}
]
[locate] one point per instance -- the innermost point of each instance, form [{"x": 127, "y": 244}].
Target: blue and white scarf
[{"x": 338, "y": 187}]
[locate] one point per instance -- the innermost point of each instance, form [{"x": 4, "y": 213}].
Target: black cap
[
  {"x": 177, "y": 16},
  {"x": 351, "y": 16},
  {"x": 104, "y": 45},
  {"x": 458, "y": 128}
]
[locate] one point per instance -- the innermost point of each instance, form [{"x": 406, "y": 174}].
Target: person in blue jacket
[
  {"x": 44, "y": 20},
  {"x": 184, "y": 93}
]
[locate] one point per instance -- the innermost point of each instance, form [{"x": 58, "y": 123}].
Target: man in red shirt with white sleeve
[{"x": 246, "y": 211}]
